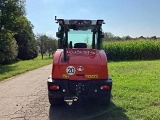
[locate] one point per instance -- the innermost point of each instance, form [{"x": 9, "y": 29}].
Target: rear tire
[
  {"x": 107, "y": 101},
  {"x": 104, "y": 100},
  {"x": 55, "y": 101}
]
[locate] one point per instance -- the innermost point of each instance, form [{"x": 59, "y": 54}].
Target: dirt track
[{"x": 24, "y": 97}]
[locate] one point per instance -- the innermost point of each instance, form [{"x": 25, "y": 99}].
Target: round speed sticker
[{"x": 70, "y": 70}]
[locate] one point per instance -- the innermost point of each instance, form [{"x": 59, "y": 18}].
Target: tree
[
  {"x": 153, "y": 37},
  {"x": 52, "y": 45},
  {"x": 87, "y": 42},
  {"x": 117, "y": 38},
  {"x": 8, "y": 47},
  {"x": 126, "y": 37},
  {"x": 10, "y": 10},
  {"x": 46, "y": 44},
  {"x": 12, "y": 18},
  {"x": 28, "y": 47},
  {"x": 42, "y": 41},
  {"x": 108, "y": 36}
]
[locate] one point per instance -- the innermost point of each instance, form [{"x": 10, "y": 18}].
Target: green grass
[
  {"x": 19, "y": 67},
  {"x": 136, "y": 90}
]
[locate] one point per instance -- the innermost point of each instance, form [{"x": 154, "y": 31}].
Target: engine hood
[
  {"x": 83, "y": 56},
  {"x": 81, "y": 62}
]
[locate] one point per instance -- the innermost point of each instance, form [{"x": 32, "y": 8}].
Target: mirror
[{"x": 58, "y": 34}]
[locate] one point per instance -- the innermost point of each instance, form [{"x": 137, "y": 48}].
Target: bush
[
  {"x": 8, "y": 48},
  {"x": 132, "y": 50},
  {"x": 27, "y": 46}
]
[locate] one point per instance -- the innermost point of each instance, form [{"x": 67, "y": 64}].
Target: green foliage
[
  {"x": 108, "y": 36},
  {"x": 47, "y": 44},
  {"x": 10, "y": 11},
  {"x": 27, "y": 44},
  {"x": 52, "y": 45},
  {"x": 126, "y": 37},
  {"x": 8, "y": 47},
  {"x": 12, "y": 18},
  {"x": 42, "y": 42},
  {"x": 132, "y": 50}
]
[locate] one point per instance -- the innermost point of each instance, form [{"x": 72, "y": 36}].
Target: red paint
[{"x": 93, "y": 61}]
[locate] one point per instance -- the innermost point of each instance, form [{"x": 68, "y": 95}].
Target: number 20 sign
[{"x": 70, "y": 70}]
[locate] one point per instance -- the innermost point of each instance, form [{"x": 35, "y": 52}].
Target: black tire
[
  {"x": 55, "y": 101},
  {"x": 107, "y": 100},
  {"x": 104, "y": 100}
]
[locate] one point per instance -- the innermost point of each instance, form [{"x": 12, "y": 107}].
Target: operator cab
[{"x": 85, "y": 34}]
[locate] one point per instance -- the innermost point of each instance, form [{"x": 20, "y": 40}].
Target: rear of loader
[{"x": 79, "y": 67}]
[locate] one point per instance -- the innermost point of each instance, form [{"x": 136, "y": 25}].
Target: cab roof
[{"x": 78, "y": 24}]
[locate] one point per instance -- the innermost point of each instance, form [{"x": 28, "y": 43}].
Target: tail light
[
  {"x": 105, "y": 87},
  {"x": 54, "y": 87}
]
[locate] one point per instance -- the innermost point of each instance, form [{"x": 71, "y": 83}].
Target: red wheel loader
[{"x": 79, "y": 64}]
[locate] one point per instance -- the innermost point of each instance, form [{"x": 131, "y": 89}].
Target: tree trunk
[{"x": 42, "y": 55}]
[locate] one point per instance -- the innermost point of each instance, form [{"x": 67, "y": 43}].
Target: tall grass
[{"x": 132, "y": 50}]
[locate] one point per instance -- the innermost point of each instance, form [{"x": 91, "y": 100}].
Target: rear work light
[
  {"x": 105, "y": 87},
  {"x": 54, "y": 87}
]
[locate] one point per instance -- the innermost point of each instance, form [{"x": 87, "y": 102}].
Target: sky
[{"x": 122, "y": 17}]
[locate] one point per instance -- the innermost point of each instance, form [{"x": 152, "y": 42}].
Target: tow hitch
[{"x": 70, "y": 100}]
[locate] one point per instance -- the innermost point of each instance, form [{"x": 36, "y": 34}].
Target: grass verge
[
  {"x": 19, "y": 67},
  {"x": 135, "y": 91}
]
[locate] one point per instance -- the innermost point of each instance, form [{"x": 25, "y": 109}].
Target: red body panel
[{"x": 93, "y": 62}]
